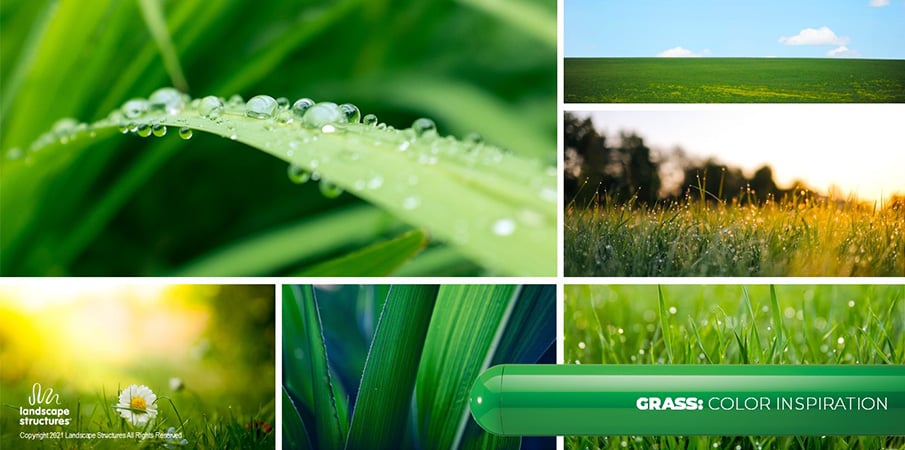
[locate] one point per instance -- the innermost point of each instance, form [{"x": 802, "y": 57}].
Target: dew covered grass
[
  {"x": 733, "y": 80},
  {"x": 789, "y": 238},
  {"x": 733, "y": 324}
]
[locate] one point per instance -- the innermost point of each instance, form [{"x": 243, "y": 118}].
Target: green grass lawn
[
  {"x": 696, "y": 239},
  {"x": 731, "y": 324},
  {"x": 733, "y": 80}
]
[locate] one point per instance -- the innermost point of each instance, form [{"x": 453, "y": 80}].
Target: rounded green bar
[{"x": 547, "y": 400}]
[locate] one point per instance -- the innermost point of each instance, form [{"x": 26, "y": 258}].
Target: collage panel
[
  {"x": 100, "y": 364},
  {"x": 734, "y": 191},
  {"x": 400, "y": 366},
  {"x": 736, "y": 366},
  {"x": 286, "y": 139},
  {"x": 702, "y": 51}
]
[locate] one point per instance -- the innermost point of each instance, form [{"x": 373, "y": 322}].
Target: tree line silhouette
[{"x": 628, "y": 171}]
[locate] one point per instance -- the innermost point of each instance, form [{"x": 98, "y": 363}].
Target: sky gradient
[
  {"x": 719, "y": 28},
  {"x": 858, "y": 148}
]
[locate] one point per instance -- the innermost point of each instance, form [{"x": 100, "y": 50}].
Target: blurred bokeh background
[{"x": 88, "y": 338}]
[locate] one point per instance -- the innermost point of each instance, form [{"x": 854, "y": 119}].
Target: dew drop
[
  {"x": 504, "y": 227},
  {"x": 166, "y": 99},
  {"x": 672, "y": 310},
  {"x": 261, "y": 107},
  {"x": 375, "y": 182},
  {"x": 14, "y": 153},
  {"x": 185, "y": 133},
  {"x": 210, "y": 107},
  {"x": 301, "y": 106},
  {"x": 329, "y": 189},
  {"x": 144, "y": 130},
  {"x": 370, "y": 120},
  {"x": 323, "y": 114},
  {"x": 124, "y": 129},
  {"x": 283, "y": 103},
  {"x": 474, "y": 138},
  {"x": 65, "y": 125},
  {"x": 297, "y": 174},
  {"x": 424, "y": 126},
  {"x": 353, "y": 115},
  {"x": 159, "y": 130},
  {"x": 236, "y": 101},
  {"x": 135, "y": 108},
  {"x": 411, "y": 202}
]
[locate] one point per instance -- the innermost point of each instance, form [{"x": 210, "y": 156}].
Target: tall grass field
[
  {"x": 733, "y": 80},
  {"x": 733, "y": 324},
  {"x": 685, "y": 238}
]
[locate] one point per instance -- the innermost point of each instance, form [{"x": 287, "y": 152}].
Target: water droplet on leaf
[
  {"x": 353, "y": 115},
  {"x": 261, "y": 107},
  {"x": 411, "y": 202},
  {"x": 135, "y": 108},
  {"x": 504, "y": 227},
  {"x": 329, "y": 189},
  {"x": 322, "y": 114},
  {"x": 210, "y": 107},
  {"x": 159, "y": 130},
  {"x": 144, "y": 130},
  {"x": 166, "y": 99},
  {"x": 297, "y": 174},
  {"x": 185, "y": 133},
  {"x": 424, "y": 126},
  {"x": 301, "y": 106},
  {"x": 370, "y": 120}
]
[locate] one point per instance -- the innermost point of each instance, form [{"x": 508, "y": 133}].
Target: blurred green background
[
  {"x": 119, "y": 205},
  {"x": 208, "y": 348}
]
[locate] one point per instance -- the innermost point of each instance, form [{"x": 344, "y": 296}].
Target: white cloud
[
  {"x": 681, "y": 52},
  {"x": 843, "y": 52},
  {"x": 879, "y": 3},
  {"x": 820, "y": 36}
]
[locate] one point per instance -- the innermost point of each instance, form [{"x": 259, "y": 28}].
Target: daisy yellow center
[{"x": 139, "y": 403}]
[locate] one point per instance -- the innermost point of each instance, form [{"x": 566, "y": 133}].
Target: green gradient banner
[{"x": 532, "y": 400}]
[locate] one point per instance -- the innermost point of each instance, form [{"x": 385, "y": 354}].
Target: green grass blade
[
  {"x": 26, "y": 56},
  {"x": 152, "y": 12},
  {"x": 501, "y": 211},
  {"x": 269, "y": 252},
  {"x": 700, "y": 342},
  {"x": 465, "y": 331},
  {"x": 664, "y": 323},
  {"x": 529, "y": 333},
  {"x": 757, "y": 349},
  {"x": 528, "y": 17},
  {"x": 378, "y": 260},
  {"x": 330, "y": 433},
  {"x": 384, "y": 398},
  {"x": 777, "y": 325},
  {"x": 295, "y": 436}
]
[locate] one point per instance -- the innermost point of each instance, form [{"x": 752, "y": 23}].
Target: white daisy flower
[{"x": 137, "y": 404}]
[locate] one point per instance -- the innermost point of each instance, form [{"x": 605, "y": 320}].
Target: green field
[
  {"x": 697, "y": 239},
  {"x": 731, "y": 324},
  {"x": 733, "y": 80}
]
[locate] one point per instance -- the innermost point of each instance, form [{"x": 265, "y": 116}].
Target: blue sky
[{"x": 735, "y": 28}]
